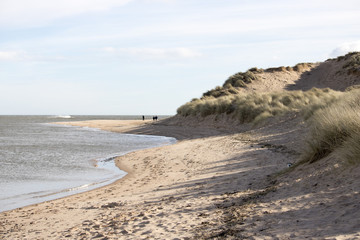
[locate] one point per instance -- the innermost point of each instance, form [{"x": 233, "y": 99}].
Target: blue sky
[{"x": 151, "y": 56}]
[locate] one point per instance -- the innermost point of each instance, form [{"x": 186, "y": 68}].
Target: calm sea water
[{"x": 41, "y": 161}]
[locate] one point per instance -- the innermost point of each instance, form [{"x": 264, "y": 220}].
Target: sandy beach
[
  {"x": 211, "y": 184},
  {"x": 179, "y": 120}
]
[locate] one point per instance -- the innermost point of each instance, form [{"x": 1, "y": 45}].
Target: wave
[
  {"x": 73, "y": 189},
  {"x": 62, "y": 116}
]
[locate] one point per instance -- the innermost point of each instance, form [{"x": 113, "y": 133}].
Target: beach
[
  {"x": 215, "y": 182},
  {"x": 179, "y": 120}
]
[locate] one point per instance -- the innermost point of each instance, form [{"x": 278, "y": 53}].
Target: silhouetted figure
[
  {"x": 155, "y": 118},
  {"x": 143, "y": 117}
]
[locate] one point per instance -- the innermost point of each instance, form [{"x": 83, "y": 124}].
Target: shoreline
[
  {"x": 21, "y": 221},
  {"x": 78, "y": 189},
  {"x": 211, "y": 184}
]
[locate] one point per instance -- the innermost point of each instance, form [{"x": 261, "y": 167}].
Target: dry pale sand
[
  {"x": 212, "y": 184},
  {"x": 328, "y": 74}
]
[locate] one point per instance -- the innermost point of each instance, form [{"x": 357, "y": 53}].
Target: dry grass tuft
[
  {"x": 298, "y": 68},
  {"x": 233, "y": 84},
  {"x": 352, "y": 63},
  {"x": 240, "y": 79},
  {"x": 221, "y": 91},
  {"x": 336, "y": 129},
  {"x": 302, "y": 67},
  {"x": 279, "y": 69},
  {"x": 353, "y": 87}
]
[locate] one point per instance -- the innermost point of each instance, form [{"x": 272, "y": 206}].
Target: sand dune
[{"x": 332, "y": 73}]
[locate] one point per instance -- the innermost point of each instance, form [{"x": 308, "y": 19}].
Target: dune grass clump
[
  {"x": 319, "y": 98},
  {"x": 300, "y": 67},
  {"x": 233, "y": 83},
  {"x": 221, "y": 91},
  {"x": 278, "y": 69},
  {"x": 336, "y": 128},
  {"x": 241, "y": 79},
  {"x": 256, "y": 70},
  {"x": 352, "y": 65},
  {"x": 255, "y": 107}
]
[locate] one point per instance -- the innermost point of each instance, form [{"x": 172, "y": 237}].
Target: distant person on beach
[
  {"x": 143, "y": 117},
  {"x": 155, "y": 118}
]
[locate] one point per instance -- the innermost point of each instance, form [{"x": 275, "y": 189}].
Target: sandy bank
[
  {"x": 211, "y": 184},
  {"x": 165, "y": 127}
]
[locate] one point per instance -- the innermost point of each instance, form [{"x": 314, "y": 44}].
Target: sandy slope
[{"x": 328, "y": 74}]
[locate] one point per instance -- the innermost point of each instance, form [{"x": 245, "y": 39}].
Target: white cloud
[
  {"x": 346, "y": 48},
  {"x": 35, "y": 12},
  {"x": 20, "y": 56},
  {"x": 12, "y": 56},
  {"x": 155, "y": 53},
  {"x": 161, "y": 1},
  {"x": 110, "y": 49}
]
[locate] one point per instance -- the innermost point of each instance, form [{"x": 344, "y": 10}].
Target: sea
[{"x": 41, "y": 161}]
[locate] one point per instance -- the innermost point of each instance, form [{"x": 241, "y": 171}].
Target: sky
[{"x": 135, "y": 57}]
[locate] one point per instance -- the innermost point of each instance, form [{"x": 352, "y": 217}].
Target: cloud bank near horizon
[{"x": 345, "y": 48}]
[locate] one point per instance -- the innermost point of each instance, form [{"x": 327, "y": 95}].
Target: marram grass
[
  {"x": 254, "y": 107},
  {"x": 336, "y": 129},
  {"x": 333, "y": 117}
]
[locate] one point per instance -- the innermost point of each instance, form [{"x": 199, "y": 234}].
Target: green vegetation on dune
[
  {"x": 254, "y": 107},
  {"x": 332, "y": 116},
  {"x": 233, "y": 83},
  {"x": 221, "y": 91},
  {"x": 240, "y": 79},
  {"x": 336, "y": 128}
]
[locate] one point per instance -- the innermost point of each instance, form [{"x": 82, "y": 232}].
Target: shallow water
[{"x": 41, "y": 161}]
